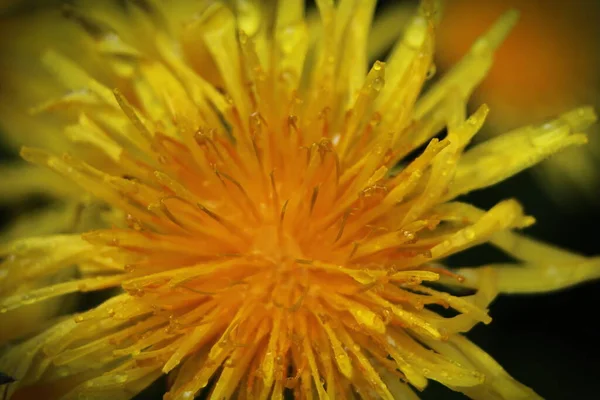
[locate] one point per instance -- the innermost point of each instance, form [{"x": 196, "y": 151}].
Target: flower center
[{"x": 275, "y": 245}]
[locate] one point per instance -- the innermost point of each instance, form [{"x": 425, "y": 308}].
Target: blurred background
[{"x": 550, "y": 63}]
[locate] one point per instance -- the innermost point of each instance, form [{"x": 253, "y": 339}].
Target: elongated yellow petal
[{"x": 501, "y": 157}]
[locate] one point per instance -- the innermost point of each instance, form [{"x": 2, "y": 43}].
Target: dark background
[{"x": 549, "y": 342}]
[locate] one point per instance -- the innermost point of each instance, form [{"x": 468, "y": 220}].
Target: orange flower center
[{"x": 275, "y": 245}]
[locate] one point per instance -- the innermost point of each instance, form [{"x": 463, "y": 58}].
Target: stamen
[
  {"x": 168, "y": 213},
  {"x": 342, "y": 226},
  {"x": 313, "y": 199},
  {"x": 274, "y": 192},
  {"x": 132, "y": 115},
  {"x": 283, "y": 209},
  {"x": 249, "y": 201}
]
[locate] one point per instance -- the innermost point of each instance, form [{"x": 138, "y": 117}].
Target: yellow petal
[{"x": 501, "y": 157}]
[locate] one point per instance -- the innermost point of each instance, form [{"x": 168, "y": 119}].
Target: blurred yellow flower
[{"x": 239, "y": 167}]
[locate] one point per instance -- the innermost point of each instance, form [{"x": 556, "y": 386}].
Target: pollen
[{"x": 276, "y": 213}]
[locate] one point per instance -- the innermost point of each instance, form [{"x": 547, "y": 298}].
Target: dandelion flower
[{"x": 256, "y": 236}]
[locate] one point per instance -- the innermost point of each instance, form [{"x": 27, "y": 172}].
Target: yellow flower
[{"x": 256, "y": 238}]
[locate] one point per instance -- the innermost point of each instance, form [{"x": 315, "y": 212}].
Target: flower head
[{"x": 259, "y": 237}]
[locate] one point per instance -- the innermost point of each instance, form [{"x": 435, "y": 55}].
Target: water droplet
[
  {"x": 472, "y": 121},
  {"x": 336, "y": 139},
  {"x": 378, "y": 84},
  {"x": 408, "y": 235},
  {"x": 548, "y": 133},
  {"x": 121, "y": 378},
  {"x": 229, "y": 363},
  {"x": 27, "y": 299},
  {"x": 288, "y": 38},
  {"x": 549, "y": 126},
  {"x": 469, "y": 233}
]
